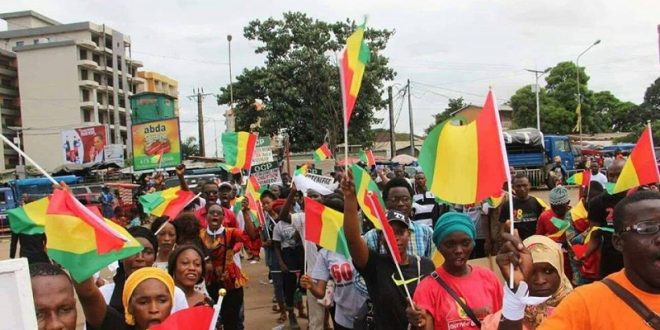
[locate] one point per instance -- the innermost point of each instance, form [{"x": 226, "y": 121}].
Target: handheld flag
[
  {"x": 198, "y": 317},
  {"x": 169, "y": 202},
  {"x": 302, "y": 170},
  {"x": 253, "y": 187},
  {"x": 640, "y": 168},
  {"x": 352, "y": 61},
  {"x": 325, "y": 227},
  {"x": 29, "y": 219},
  {"x": 368, "y": 196},
  {"x": 582, "y": 178},
  {"x": 466, "y": 164},
  {"x": 322, "y": 153},
  {"x": 239, "y": 148},
  {"x": 367, "y": 157}
]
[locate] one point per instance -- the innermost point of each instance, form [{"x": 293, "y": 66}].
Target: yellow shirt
[{"x": 595, "y": 306}]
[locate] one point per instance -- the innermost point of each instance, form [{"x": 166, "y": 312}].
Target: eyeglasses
[
  {"x": 401, "y": 199},
  {"x": 644, "y": 228}
]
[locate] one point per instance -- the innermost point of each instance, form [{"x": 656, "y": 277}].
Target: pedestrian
[
  {"x": 275, "y": 275},
  {"x": 526, "y": 208},
  {"x": 54, "y": 300},
  {"x": 107, "y": 202},
  {"x": 596, "y": 175},
  {"x": 211, "y": 195},
  {"x": 166, "y": 237},
  {"x": 387, "y": 288},
  {"x": 425, "y": 207},
  {"x": 186, "y": 266},
  {"x": 456, "y": 295}
]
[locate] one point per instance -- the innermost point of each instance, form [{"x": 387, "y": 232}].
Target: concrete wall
[{"x": 48, "y": 81}]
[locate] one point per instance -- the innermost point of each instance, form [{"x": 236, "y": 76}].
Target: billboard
[
  {"x": 84, "y": 145},
  {"x": 156, "y": 144}
]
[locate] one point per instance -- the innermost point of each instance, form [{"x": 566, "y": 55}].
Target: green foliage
[
  {"x": 648, "y": 110},
  {"x": 189, "y": 147},
  {"x": 453, "y": 106},
  {"x": 300, "y": 81}
]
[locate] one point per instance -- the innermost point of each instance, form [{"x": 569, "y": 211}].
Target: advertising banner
[
  {"x": 267, "y": 173},
  {"x": 114, "y": 153},
  {"x": 84, "y": 145},
  {"x": 156, "y": 144}
]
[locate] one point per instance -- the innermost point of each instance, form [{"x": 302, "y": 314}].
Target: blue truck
[{"x": 529, "y": 151}]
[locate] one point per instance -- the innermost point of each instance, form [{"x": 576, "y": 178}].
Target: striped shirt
[
  {"x": 420, "y": 243},
  {"x": 423, "y": 205}
]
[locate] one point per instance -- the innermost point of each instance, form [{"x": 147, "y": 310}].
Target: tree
[
  {"x": 648, "y": 110},
  {"x": 553, "y": 114},
  {"x": 300, "y": 81},
  {"x": 190, "y": 147},
  {"x": 453, "y": 106}
]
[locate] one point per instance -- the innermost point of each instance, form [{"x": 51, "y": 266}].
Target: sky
[{"x": 446, "y": 48}]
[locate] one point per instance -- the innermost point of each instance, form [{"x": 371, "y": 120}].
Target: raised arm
[
  {"x": 180, "y": 170},
  {"x": 286, "y": 208},
  {"x": 92, "y": 302},
  {"x": 356, "y": 245},
  {"x": 250, "y": 230}
]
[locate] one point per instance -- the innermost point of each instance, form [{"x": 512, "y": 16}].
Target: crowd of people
[{"x": 597, "y": 273}]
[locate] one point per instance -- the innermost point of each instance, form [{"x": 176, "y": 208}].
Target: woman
[
  {"x": 384, "y": 283},
  {"x": 222, "y": 271},
  {"x": 268, "y": 202},
  {"x": 148, "y": 297},
  {"x": 186, "y": 266},
  {"x": 542, "y": 263},
  {"x": 187, "y": 229},
  {"x": 112, "y": 293},
  {"x": 456, "y": 295},
  {"x": 166, "y": 236}
]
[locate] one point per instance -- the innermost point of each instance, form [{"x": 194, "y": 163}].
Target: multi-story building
[
  {"x": 69, "y": 75},
  {"x": 9, "y": 107},
  {"x": 160, "y": 83}
]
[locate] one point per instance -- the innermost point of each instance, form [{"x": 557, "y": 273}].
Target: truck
[{"x": 533, "y": 153}]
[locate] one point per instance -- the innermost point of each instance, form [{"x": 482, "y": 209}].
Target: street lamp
[
  {"x": 231, "y": 87},
  {"x": 579, "y": 97},
  {"x": 538, "y": 74}
]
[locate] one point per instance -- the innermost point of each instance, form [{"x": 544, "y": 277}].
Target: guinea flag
[
  {"x": 465, "y": 164},
  {"x": 29, "y": 219},
  {"x": 367, "y": 157},
  {"x": 640, "y": 168},
  {"x": 322, "y": 153},
  {"x": 238, "y": 148},
  {"x": 302, "y": 170},
  {"x": 81, "y": 240},
  {"x": 169, "y": 202},
  {"x": 325, "y": 227},
  {"x": 582, "y": 178},
  {"x": 352, "y": 60},
  {"x": 368, "y": 196},
  {"x": 198, "y": 317}
]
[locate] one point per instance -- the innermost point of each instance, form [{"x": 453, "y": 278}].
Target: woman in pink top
[{"x": 437, "y": 296}]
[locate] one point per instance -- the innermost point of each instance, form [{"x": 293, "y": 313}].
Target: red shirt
[
  {"x": 228, "y": 222},
  {"x": 545, "y": 226},
  {"x": 480, "y": 290}
]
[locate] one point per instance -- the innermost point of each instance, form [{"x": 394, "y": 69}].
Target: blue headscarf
[{"x": 452, "y": 222}]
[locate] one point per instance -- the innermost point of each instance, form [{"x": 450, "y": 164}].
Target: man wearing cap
[
  {"x": 387, "y": 289},
  {"x": 211, "y": 194},
  {"x": 553, "y": 222}
]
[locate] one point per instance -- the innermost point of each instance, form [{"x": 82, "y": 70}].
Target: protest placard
[
  {"x": 17, "y": 308},
  {"x": 262, "y": 152},
  {"x": 267, "y": 173}
]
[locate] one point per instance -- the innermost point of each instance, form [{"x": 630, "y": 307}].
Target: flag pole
[
  {"x": 30, "y": 160},
  {"x": 344, "y": 113}
]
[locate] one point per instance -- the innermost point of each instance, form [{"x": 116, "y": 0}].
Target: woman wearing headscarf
[
  {"x": 147, "y": 296},
  {"x": 541, "y": 261},
  {"x": 456, "y": 295}
]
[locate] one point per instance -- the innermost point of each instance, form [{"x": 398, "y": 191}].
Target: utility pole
[
  {"x": 199, "y": 95},
  {"x": 391, "y": 108},
  {"x": 537, "y": 75},
  {"x": 412, "y": 132}
]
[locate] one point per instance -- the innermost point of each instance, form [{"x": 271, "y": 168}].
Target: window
[
  {"x": 85, "y": 95},
  {"x": 35, "y": 41},
  {"x": 19, "y": 43},
  {"x": 87, "y": 116},
  {"x": 562, "y": 146},
  {"x": 84, "y": 74},
  {"x": 83, "y": 54}
]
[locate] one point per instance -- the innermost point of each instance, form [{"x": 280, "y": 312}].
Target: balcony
[
  {"x": 88, "y": 83},
  {"x": 139, "y": 80},
  {"x": 88, "y": 64},
  {"x": 135, "y": 63},
  {"x": 9, "y": 112},
  {"x": 6, "y": 90},
  {"x": 87, "y": 44},
  {"x": 8, "y": 71},
  {"x": 88, "y": 104}
]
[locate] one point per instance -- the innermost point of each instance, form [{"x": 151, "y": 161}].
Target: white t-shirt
[
  {"x": 180, "y": 301},
  {"x": 600, "y": 178}
]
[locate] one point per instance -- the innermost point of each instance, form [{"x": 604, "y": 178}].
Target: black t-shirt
[
  {"x": 113, "y": 320},
  {"x": 601, "y": 213},
  {"x": 525, "y": 213},
  {"x": 389, "y": 300}
]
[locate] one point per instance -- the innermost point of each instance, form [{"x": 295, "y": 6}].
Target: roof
[
  {"x": 55, "y": 29},
  {"x": 29, "y": 13},
  {"x": 45, "y": 45}
]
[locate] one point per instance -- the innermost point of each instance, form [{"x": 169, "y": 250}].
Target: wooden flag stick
[{"x": 30, "y": 160}]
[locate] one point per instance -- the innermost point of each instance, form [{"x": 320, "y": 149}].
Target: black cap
[{"x": 394, "y": 215}]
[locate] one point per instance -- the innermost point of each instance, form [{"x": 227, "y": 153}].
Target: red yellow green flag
[
  {"x": 322, "y": 153},
  {"x": 368, "y": 196},
  {"x": 581, "y": 178},
  {"x": 466, "y": 164},
  {"x": 169, "y": 202},
  {"x": 325, "y": 227},
  {"x": 352, "y": 61},
  {"x": 29, "y": 219},
  {"x": 81, "y": 240},
  {"x": 367, "y": 157},
  {"x": 253, "y": 187},
  {"x": 302, "y": 170},
  {"x": 640, "y": 168},
  {"x": 239, "y": 148},
  {"x": 198, "y": 317}
]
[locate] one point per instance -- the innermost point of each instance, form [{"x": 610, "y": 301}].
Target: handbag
[
  {"x": 453, "y": 294},
  {"x": 651, "y": 318}
]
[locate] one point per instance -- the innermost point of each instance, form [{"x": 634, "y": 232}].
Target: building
[
  {"x": 9, "y": 106},
  {"x": 69, "y": 75},
  {"x": 160, "y": 83},
  {"x": 470, "y": 112}
]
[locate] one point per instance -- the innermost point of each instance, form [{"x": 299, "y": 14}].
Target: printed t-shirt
[
  {"x": 595, "y": 306},
  {"x": 347, "y": 298},
  {"x": 601, "y": 213},
  {"x": 285, "y": 233},
  {"x": 526, "y": 213},
  {"x": 389, "y": 299},
  {"x": 480, "y": 290}
]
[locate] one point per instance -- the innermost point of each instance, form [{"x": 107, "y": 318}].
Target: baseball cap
[{"x": 394, "y": 215}]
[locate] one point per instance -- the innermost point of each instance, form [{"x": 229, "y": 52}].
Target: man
[
  {"x": 424, "y": 203},
  {"x": 596, "y": 305},
  {"x": 107, "y": 202},
  {"x": 211, "y": 195},
  {"x": 559, "y": 206},
  {"x": 601, "y": 209},
  {"x": 286, "y": 183},
  {"x": 526, "y": 208},
  {"x": 398, "y": 196},
  {"x": 559, "y": 169},
  {"x": 596, "y": 175},
  {"x": 54, "y": 301}
]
